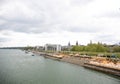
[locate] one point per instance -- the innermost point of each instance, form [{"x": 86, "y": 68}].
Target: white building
[{"x": 52, "y": 47}]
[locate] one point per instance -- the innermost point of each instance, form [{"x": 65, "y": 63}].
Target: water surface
[{"x": 17, "y": 67}]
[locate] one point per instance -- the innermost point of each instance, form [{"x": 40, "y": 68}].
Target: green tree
[
  {"x": 28, "y": 48},
  {"x": 91, "y": 48},
  {"x": 116, "y": 48},
  {"x": 96, "y": 48},
  {"x": 78, "y": 48}
]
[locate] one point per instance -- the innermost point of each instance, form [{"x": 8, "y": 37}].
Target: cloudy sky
[{"x": 37, "y": 22}]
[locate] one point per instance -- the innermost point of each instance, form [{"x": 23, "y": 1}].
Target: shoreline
[{"x": 86, "y": 62}]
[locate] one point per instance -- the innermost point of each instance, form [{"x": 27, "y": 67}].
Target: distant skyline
[{"x": 37, "y": 22}]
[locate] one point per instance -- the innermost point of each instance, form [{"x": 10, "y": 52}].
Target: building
[
  {"x": 39, "y": 48},
  {"x": 76, "y": 43},
  {"x": 67, "y": 47},
  {"x": 52, "y": 47},
  {"x": 69, "y": 44}
]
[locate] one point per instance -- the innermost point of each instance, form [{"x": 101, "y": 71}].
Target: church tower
[
  {"x": 76, "y": 43},
  {"x": 90, "y": 41},
  {"x": 69, "y": 44}
]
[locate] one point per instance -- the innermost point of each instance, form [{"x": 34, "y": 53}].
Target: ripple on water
[{"x": 16, "y": 67}]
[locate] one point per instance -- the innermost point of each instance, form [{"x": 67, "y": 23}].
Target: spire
[
  {"x": 90, "y": 41},
  {"x": 76, "y": 43},
  {"x": 68, "y": 43}
]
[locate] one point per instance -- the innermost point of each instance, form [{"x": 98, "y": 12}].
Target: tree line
[{"x": 96, "y": 47}]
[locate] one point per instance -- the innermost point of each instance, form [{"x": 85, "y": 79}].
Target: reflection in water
[{"x": 17, "y": 67}]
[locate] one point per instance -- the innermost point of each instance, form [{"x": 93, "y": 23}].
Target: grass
[{"x": 105, "y": 54}]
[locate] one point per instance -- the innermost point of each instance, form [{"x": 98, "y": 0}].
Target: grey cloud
[
  {"x": 84, "y": 29},
  {"x": 106, "y": 37},
  {"x": 40, "y": 17},
  {"x": 38, "y": 20},
  {"x": 37, "y": 16},
  {"x": 26, "y": 28},
  {"x": 4, "y": 39},
  {"x": 2, "y": 1}
]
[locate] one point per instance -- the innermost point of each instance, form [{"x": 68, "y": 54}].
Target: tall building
[
  {"x": 90, "y": 41},
  {"x": 69, "y": 44},
  {"x": 76, "y": 43},
  {"x": 52, "y": 47}
]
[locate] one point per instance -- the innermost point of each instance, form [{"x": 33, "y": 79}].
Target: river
[{"x": 17, "y": 67}]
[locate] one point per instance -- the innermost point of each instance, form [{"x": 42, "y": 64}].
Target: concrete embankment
[
  {"x": 52, "y": 57},
  {"x": 103, "y": 69}
]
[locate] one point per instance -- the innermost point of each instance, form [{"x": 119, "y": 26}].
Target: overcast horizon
[{"x": 38, "y": 22}]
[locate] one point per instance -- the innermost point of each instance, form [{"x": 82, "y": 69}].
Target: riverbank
[{"x": 97, "y": 63}]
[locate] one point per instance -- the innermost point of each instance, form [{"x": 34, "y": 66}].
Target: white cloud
[{"x": 34, "y": 22}]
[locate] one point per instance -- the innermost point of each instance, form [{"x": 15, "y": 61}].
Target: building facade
[{"x": 52, "y": 47}]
